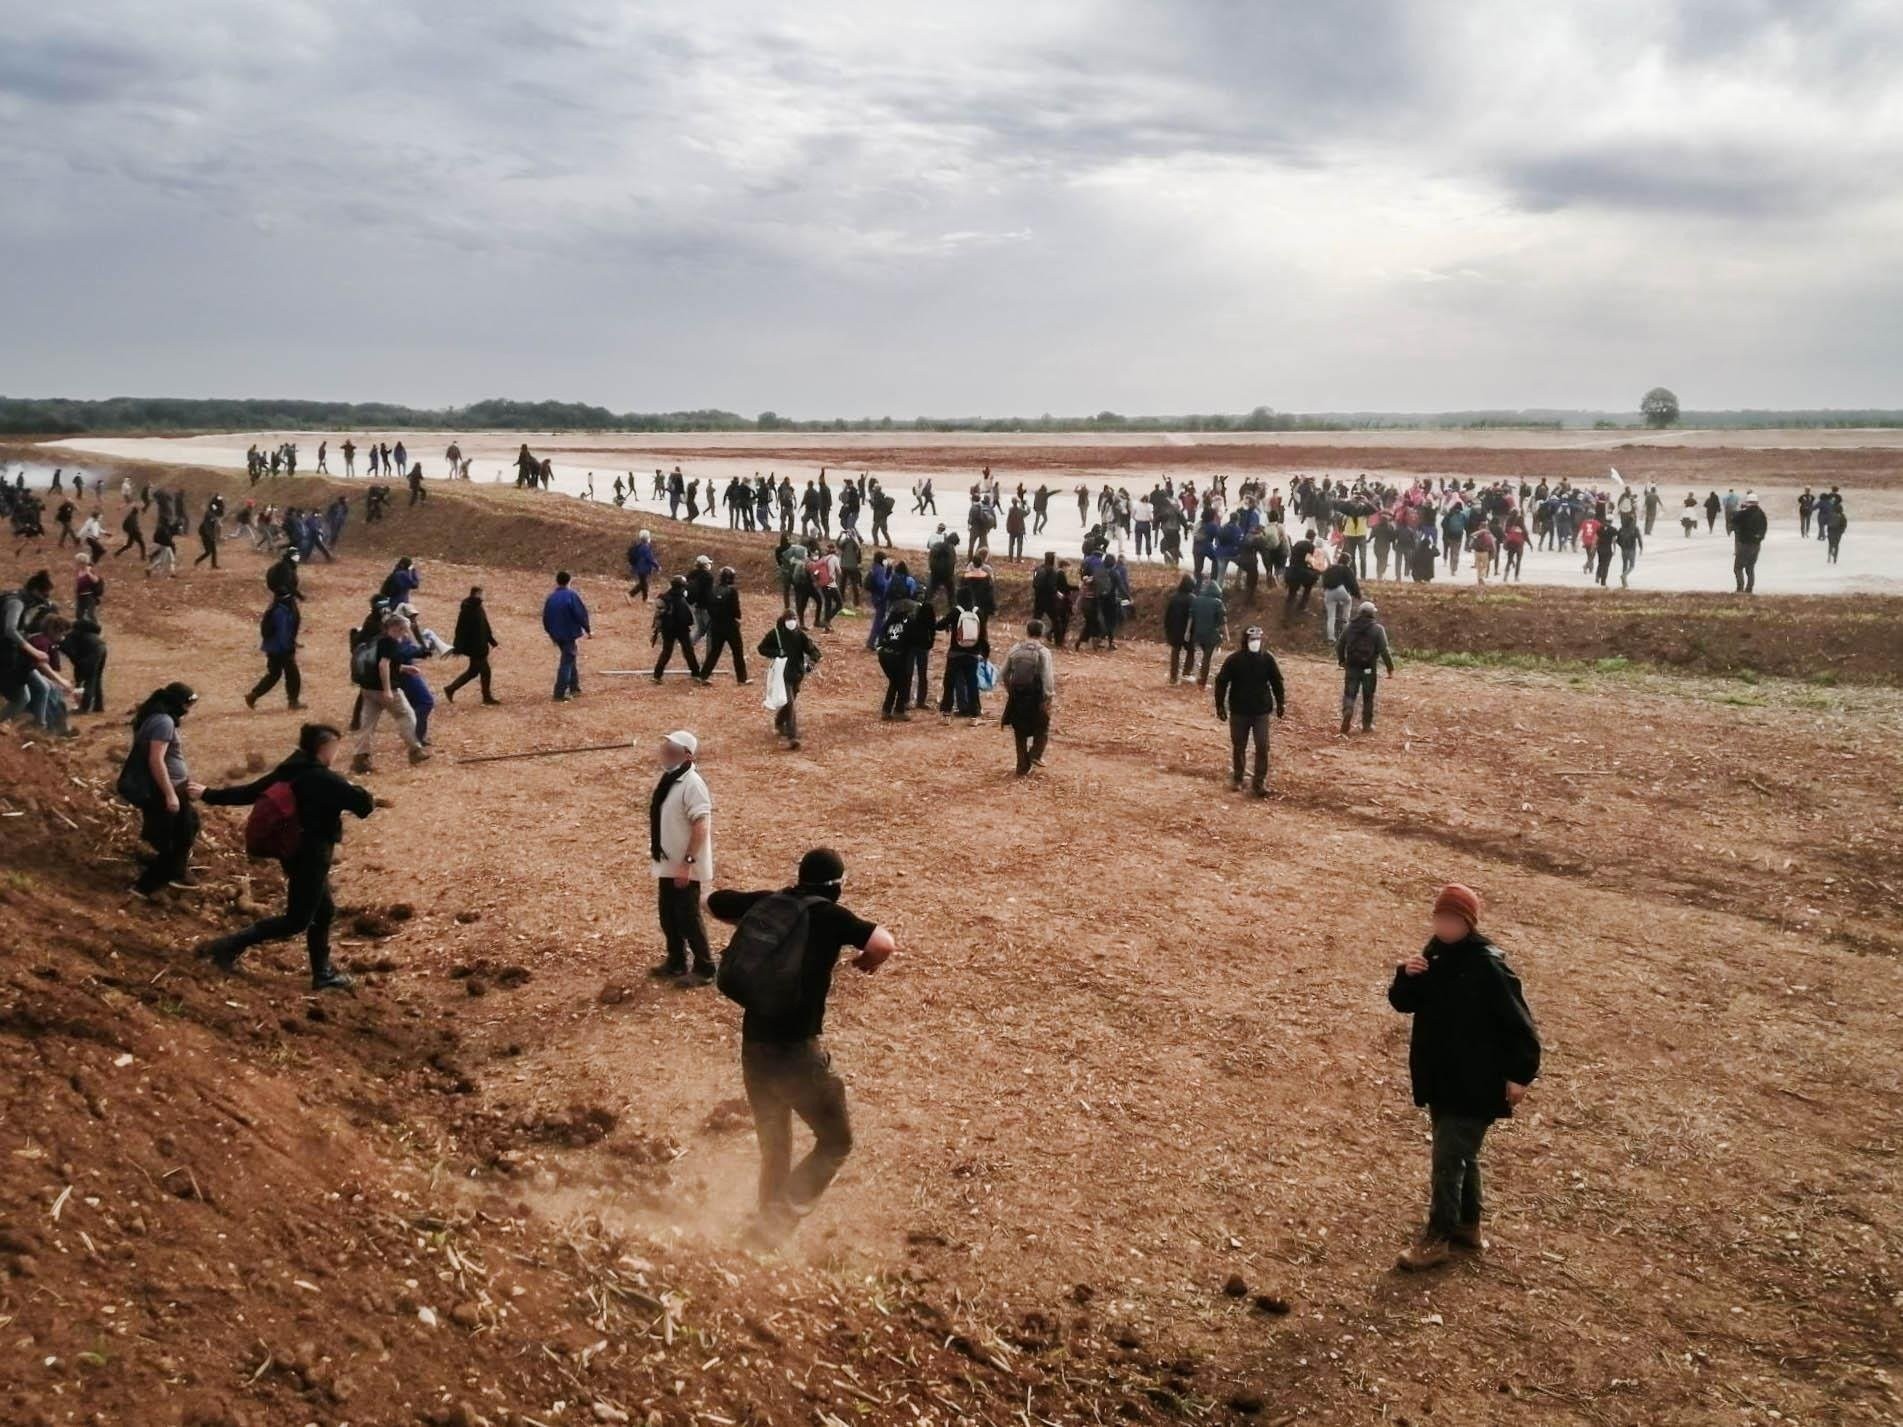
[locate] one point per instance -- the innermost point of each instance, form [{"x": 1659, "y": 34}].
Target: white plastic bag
[{"x": 775, "y": 699}]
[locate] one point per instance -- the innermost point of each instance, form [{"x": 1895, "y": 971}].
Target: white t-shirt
[{"x": 688, "y": 801}]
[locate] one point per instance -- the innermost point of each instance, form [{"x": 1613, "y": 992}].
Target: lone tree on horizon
[{"x": 1659, "y": 408}]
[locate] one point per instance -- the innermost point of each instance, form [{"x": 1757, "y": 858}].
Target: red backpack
[{"x": 273, "y": 829}]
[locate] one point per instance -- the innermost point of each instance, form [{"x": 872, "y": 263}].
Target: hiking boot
[
  {"x": 1430, "y": 1250},
  {"x": 1259, "y": 791},
  {"x": 668, "y": 971},
  {"x": 702, "y": 973},
  {"x": 1346, "y": 724},
  {"x": 296, "y": 706},
  {"x": 420, "y": 755},
  {"x": 792, "y": 745},
  {"x": 1235, "y": 782},
  {"x": 330, "y": 979},
  {"x": 222, "y": 952},
  {"x": 360, "y": 763},
  {"x": 251, "y": 701},
  {"x": 449, "y": 694},
  {"x": 488, "y": 700},
  {"x": 1467, "y": 1236}
]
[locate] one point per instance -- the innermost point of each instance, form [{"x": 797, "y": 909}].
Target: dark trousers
[
  {"x": 898, "y": 680},
  {"x": 784, "y": 1080},
  {"x": 1243, "y": 730},
  {"x": 1358, "y": 684},
  {"x": 171, "y": 836},
  {"x": 1183, "y": 662},
  {"x": 210, "y": 552},
  {"x": 922, "y": 670},
  {"x": 1744, "y": 566},
  {"x": 478, "y": 669},
  {"x": 92, "y": 686},
  {"x": 279, "y": 666},
  {"x": 308, "y": 908},
  {"x": 681, "y": 927},
  {"x": 567, "y": 672},
  {"x": 132, "y": 540},
  {"x": 720, "y": 638},
  {"x": 1454, "y": 1198},
  {"x": 1030, "y": 721},
  {"x": 685, "y": 643},
  {"x": 786, "y": 719},
  {"x": 961, "y": 685}
]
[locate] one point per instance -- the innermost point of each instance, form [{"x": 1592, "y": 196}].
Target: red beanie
[{"x": 1463, "y": 902}]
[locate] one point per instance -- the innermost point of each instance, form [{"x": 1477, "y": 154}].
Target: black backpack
[
  {"x": 762, "y": 966},
  {"x": 1362, "y": 647}
]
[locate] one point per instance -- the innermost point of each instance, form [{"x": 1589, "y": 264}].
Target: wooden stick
[{"x": 543, "y": 752}]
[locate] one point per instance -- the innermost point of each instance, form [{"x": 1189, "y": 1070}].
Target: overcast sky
[{"x": 842, "y": 208}]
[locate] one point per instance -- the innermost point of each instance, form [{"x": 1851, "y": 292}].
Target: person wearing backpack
[
  {"x": 376, "y": 668},
  {"x": 681, "y": 848},
  {"x": 1362, "y": 645},
  {"x": 1029, "y": 679},
  {"x": 27, "y": 676},
  {"x": 277, "y": 639},
  {"x": 786, "y": 640},
  {"x": 1248, "y": 689},
  {"x": 895, "y": 655},
  {"x": 1208, "y": 620},
  {"x": 966, "y": 647},
  {"x": 297, "y": 818},
  {"x": 779, "y": 968}
]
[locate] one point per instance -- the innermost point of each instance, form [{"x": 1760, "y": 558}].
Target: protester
[
  {"x": 723, "y": 629},
  {"x": 1248, "y": 689},
  {"x": 794, "y": 655},
  {"x": 156, "y": 780},
  {"x": 377, "y": 667},
  {"x": 1208, "y": 625},
  {"x": 277, "y": 639},
  {"x": 674, "y": 628},
  {"x": 681, "y": 848},
  {"x": 304, "y": 838},
  {"x": 784, "y": 1063},
  {"x": 1472, "y": 1054},
  {"x": 474, "y": 639},
  {"x": 27, "y": 677},
  {"x": 1029, "y": 679},
  {"x": 1362, "y": 645},
  {"x": 1748, "y": 527},
  {"x": 565, "y": 621}
]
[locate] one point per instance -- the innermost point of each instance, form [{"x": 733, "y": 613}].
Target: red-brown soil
[{"x": 1135, "y": 1046}]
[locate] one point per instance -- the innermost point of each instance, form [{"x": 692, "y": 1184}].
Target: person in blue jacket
[
  {"x": 415, "y": 687},
  {"x": 278, "y": 641},
  {"x": 1223, "y": 551},
  {"x": 565, "y": 621},
  {"x": 878, "y": 582},
  {"x": 643, "y": 564}
]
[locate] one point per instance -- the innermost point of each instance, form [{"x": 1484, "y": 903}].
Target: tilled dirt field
[{"x": 1135, "y": 1051}]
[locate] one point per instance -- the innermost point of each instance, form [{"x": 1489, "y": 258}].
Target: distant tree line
[{"x": 57, "y": 416}]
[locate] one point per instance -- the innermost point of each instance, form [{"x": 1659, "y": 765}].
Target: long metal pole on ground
[
  {"x": 649, "y": 673},
  {"x": 545, "y": 752}
]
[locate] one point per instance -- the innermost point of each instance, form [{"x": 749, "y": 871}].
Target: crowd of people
[{"x": 1474, "y": 1047}]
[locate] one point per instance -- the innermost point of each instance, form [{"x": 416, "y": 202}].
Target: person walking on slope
[
  {"x": 474, "y": 639},
  {"x": 784, "y": 1063},
  {"x": 306, "y": 834},
  {"x": 788, "y": 642},
  {"x": 277, "y": 632},
  {"x": 681, "y": 849},
  {"x": 643, "y": 565},
  {"x": 377, "y": 667},
  {"x": 565, "y": 621},
  {"x": 155, "y": 779},
  {"x": 1362, "y": 645},
  {"x": 1029, "y": 680},
  {"x": 1248, "y": 689},
  {"x": 1208, "y": 623},
  {"x": 1472, "y": 1053}
]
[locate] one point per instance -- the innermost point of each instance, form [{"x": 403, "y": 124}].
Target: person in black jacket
[
  {"x": 786, "y": 640},
  {"x": 322, "y": 797},
  {"x": 474, "y": 639},
  {"x": 1748, "y": 528},
  {"x": 1248, "y": 689},
  {"x": 1473, "y": 1052},
  {"x": 723, "y": 629},
  {"x": 674, "y": 628},
  {"x": 1176, "y": 629}
]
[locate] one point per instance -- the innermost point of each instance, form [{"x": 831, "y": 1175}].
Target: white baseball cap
[{"x": 684, "y": 741}]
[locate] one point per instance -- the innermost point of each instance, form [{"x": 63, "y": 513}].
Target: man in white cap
[
  {"x": 681, "y": 845},
  {"x": 1747, "y": 535}
]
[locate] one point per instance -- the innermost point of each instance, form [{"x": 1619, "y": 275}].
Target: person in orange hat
[{"x": 1473, "y": 1052}]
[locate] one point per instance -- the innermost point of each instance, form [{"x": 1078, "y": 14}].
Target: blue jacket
[
  {"x": 564, "y": 616},
  {"x": 877, "y": 580},
  {"x": 642, "y": 559},
  {"x": 279, "y": 628}
]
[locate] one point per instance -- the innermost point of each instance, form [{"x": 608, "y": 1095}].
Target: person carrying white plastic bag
[{"x": 792, "y": 653}]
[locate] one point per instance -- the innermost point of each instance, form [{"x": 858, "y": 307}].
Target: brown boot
[
  {"x": 1346, "y": 721},
  {"x": 1467, "y": 1236},
  {"x": 1430, "y": 1250}
]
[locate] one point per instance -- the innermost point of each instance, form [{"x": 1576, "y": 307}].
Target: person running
[
  {"x": 794, "y": 647},
  {"x": 208, "y": 532},
  {"x": 565, "y": 621},
  {"x": 277, "y": 640},
  {"x": 1363, "y": 644},
  {"x": 1029, "y": 680},
  {"x": 474, "y": 639},
  {"x": 377, "y": 668},
  {"x": 674, "y": 628},
  {"x": 1473, "y": 1051},
  {"x": 157, "y": 781},
  {"x": 643, "y": 565},
  {"x": 784, "y": 1064},
  {"x": 134, "y": 532},
  {"x": 1748, "y": 528},
  {"x": 681, "y": 849},
  {"x": 306, "y": 837},
  {"x": 1248, "y": 689}
]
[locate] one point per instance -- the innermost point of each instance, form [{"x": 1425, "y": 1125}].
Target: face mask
[{"x": 1255, "y": 646}]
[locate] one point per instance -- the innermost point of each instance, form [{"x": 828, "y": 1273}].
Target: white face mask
[
  {"x": 1255, "y": 646},
  {"x": 790, "y": 623}
]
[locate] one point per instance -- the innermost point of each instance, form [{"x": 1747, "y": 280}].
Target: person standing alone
[
  {"x": 565, "y": 620},
  {"x": 681, "y": 848},
  {"x": 1248, "y": 689}
]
